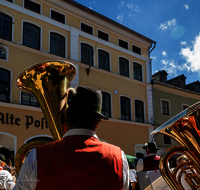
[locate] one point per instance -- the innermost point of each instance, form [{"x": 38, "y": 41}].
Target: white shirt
[
  {"x": 140, "y": 164},
  {"x": 27, "y": 179},
  {"x": 6, "y": 180}
]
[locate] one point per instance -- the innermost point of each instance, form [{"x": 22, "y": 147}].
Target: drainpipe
[{"x": 154, "y": 43}]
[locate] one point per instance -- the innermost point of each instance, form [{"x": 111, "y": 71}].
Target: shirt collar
[
  {"x": 152, "y": 154},
  {"x": 80, "y": 132}
]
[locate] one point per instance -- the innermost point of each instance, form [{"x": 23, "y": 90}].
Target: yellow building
[{"x": 33, "y": 31}]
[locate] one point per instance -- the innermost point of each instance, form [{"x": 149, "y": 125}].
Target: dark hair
[
  {"x": 80, "y": 119},
  {"x": 77, "y": 117}
]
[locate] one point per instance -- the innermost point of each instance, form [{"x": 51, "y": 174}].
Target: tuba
[
  {"x": 48, "y": 81},
  {"x": 185, "y": 129}
]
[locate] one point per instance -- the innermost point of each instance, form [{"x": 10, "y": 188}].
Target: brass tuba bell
[
  {"x": 185, "y": 129},
  {"x": 48, "y": 82}
]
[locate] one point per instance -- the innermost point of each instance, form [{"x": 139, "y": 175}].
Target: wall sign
[{"x": 10, "y": 119}]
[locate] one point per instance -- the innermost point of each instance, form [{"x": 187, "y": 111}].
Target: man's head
[
  {"x": 151, "y": 147},
  {"x": 84, "y": 108}
]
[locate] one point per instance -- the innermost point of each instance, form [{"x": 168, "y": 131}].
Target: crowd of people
[{"x": 79, "y": 160}]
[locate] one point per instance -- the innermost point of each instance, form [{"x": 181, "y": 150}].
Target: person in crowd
[
  {"x": 80, "y": 160},
  {"x": 150, "y": 162},
  {"x": 6, "y": 179}
]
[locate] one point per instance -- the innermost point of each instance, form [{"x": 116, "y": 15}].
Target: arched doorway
[
  {"x": 40, "y": 137},
  {"x": 8, "y": 144}
]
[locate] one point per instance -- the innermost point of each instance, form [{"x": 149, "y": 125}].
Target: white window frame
[
  {"x": 6, "y": 52},
  {"x": 128, "y": 64},
  {"x": 51, "y": 9},
  {"x": 23, "y": 21},
  {"x": 105, "y": 33},
  {"x": 131, "y": 106},
  {"x": 61, "y": 35},
  {"x": 169, "y": 107},
  {"x": 142, "y": 71},
  {"x": 93, "y": 52},
  {"x": 98, "y": 57},
  {"x": 184, "y": 105},
  {"x": 170, "y": 139},
  {"x": 88, "y": 25}
]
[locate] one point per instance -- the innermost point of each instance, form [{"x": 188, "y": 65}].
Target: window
[
  {"x": 57, "y": 44},
  {"x": 28, "y": 99},
  {"x": 10, "y": 0},
  {"x": 167, "y": 140},
  {"x": 86, "y": 28},
  {"x": 103, "y": 35},
  {"x": 2, "y": 53},
  {"x": 104, "y": 62},
  {"x": 30, "y": 5},
  {"x": 123, "y": 67},
  {"x": 136, "y": 49},
  {"x": 31, "y": 36},
  {"x": 106, "y": 104},
  {"x": 86, "y": 54},
  {"x": 5, "y": 27},
  {"x": 123, "y": 44},
  {"x": 4, "y": 85},
  {"x": 137, "y": 69},
  {"x": 165, "y": 107},
  {"x": 185, "y": 107},
  {"x": 57, "y": 16},
  {"x": 139, "y": 111},
  {"x": 125, "y": 108}
]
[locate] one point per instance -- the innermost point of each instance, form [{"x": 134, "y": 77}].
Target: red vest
[
  {"x": 151, "y": 163},
  {"x": 79, "y": 162}
]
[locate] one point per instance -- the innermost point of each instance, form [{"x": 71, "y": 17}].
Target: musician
[
  {"x": 150, "y": 162},
  {"x": 6, "y": 179},
  {"x": 79, "y": 160}
]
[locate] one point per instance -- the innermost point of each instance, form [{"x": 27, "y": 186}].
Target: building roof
[{"x": 82, "y": 7}]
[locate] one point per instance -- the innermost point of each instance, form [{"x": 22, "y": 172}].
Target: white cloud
[
  {"x": 192, "y": 55},
  {"x": 170, "y": 66},
  {"x": 120, "y": 18},
  {"x": 186, "y": 6},
  {"x": 164, "y": 53},
  {"x": 154, "y": 58},
  {"x": 130, "y": 6},
  {"x": 90, "y": 7},
  {"x": 168, "y": 24},
  {"x": 121, "y": 5},
  {"x": 183, "y": 43}
]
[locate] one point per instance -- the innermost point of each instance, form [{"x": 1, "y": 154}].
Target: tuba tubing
[
  {"x": 48, "y": 82},
  {"x": 185, "y": 129}
]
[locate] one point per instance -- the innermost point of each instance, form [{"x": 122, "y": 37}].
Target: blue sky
[{"x": 173, "y": 24}]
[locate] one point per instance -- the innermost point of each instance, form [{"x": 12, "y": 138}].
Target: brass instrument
[
  {"x": 185, "y": 129},
  {"x": 48, "y": 82}
]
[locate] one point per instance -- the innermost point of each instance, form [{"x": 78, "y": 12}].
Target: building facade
[
  {"x": 170, "y": 97},
  {"x": 108, "y": 56}
]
